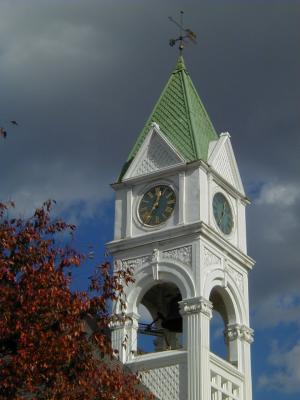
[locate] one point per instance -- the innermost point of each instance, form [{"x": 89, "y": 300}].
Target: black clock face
[
  {"x": 157, "y": 205},
  {"x": 222, "y": 213}
]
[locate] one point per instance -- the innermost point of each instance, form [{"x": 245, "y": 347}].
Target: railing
[
  {"x": 164, "y": 373},
  {"x": 226, "y": 380}
]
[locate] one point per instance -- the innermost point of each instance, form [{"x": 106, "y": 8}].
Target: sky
[{"x": 81, "y": 78}]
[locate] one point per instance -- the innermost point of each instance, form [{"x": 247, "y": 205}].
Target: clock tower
[{"x": 180, "y": 224}]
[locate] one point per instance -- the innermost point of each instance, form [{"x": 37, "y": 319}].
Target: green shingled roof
[{"x": 181, "y": 117}]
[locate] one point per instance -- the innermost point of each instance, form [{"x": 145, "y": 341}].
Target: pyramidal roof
[{"x": 181, "y": 117}]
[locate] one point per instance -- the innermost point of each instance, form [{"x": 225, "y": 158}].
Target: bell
[{"x": 173, "y": 321}]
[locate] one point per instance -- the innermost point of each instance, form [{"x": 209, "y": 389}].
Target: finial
[{"x": 184, "y": 33}]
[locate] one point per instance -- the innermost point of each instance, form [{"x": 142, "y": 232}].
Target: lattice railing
[
  {"x": 163, "y": 382},
  {"x": 163, "y": 373},
  {"x": 225, "y": 380}
]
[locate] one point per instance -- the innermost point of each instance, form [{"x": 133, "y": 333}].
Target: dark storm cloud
[{"x": 82, "y": 76}]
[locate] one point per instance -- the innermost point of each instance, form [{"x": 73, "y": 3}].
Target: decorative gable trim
[
  {"x": 155, "y": 154},
  {"x": 222, "y": 160}
]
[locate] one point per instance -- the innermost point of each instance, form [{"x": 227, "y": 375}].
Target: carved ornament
[
  {"x": 181, "y": 254},
  {"x": 196, "y": 305},
  {"x": 238, "y": 331},
  {"x": 235, "y": 275},
  {"x": 210, "y": 258}
]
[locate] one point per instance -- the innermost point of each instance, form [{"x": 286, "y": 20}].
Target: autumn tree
[{"x": 46, "y": 351}]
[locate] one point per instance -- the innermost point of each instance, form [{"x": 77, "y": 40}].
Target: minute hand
[{"x": 223, "y": 213}]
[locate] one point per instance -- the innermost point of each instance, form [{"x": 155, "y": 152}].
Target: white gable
[
  {"x": 222, "y": 159},
  {"x": 155, "y": 154}
]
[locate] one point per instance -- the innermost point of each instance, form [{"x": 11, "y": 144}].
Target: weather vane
[{"x": 184, "y": 33}]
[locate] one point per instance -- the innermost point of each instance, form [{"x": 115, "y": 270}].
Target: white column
[
  {"x": 124, "y": 336},
  {"x": 197, "y": 313},
  {"x": 239, "y": 339}
]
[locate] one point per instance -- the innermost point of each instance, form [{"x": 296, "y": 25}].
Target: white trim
[
  {"x": 143, "y": 150},
  {"x": 157, "y": 360},
  {"x": 215, "y": 149}
]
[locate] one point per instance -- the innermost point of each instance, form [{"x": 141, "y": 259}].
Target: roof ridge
[
  {"x": 181, "y": 117},
  {"x": 184, "y": 77}
]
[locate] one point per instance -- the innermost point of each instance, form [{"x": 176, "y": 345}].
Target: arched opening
[
  {"x": 218, "y": 325},
  {"x": 160, "y": 324},
  {"x": 224, "y": 317}
]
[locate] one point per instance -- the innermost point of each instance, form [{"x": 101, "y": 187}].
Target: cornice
[
  {"x": 154, "y": 237},
  {"x": 229, "y": 248},
  {"x": 223, "y": 182},
  {"x": 154, "y": 175},
  {"x": 197, "y": 229}
]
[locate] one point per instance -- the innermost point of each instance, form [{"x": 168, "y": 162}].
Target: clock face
[
  {"x": 157, "y": 205},
  {"x": 222, "y": 213}
]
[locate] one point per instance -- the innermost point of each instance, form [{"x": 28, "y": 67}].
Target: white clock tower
[{"x": 180, "y": 223}]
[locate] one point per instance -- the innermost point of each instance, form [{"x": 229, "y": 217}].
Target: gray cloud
[{"x": 81, "y": 77}]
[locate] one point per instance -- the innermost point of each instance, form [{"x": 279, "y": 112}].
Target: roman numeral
[{"x": 171, "y": 201}]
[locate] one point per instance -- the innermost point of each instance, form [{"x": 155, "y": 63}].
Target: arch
[
  {"x": 232, "y": 297},
  {"x": 171, "y": 272},
  {"x": 229, "y": 303}
]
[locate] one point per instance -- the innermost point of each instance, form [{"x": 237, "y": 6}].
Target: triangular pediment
[
  {"x": 155, "y": 154},
  {"x": 222, "y": 160}
]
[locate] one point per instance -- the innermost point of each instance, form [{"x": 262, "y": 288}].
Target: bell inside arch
[{"x": 173, "y": 320}]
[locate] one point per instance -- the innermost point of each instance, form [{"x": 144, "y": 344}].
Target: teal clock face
[
  {"x": 157, "y": 205},
  {"x": 222, "y": 213}
]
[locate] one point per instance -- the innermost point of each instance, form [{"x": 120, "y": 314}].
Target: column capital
[
  {"x": 237, "y": 331},
  {"x": 196, "y": 305}
]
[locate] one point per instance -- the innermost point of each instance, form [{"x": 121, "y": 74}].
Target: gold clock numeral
[
  {"x": 169, "y": 210},
  {"x": 157, "y": 219},
  {"x": 169, "y": 195},
  {"x": 151, "y": 221},
  {"x": 171, "y": 201},
  {"x": 150, "y": 194},
  {"x": 145, "y": 216}
]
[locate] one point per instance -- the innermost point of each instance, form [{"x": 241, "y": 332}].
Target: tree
[{"x": 45, "y": 351}]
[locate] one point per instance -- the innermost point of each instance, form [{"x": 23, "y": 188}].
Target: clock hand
[
  {"x": 223, "y": 213},
  {"x": 154, "y": 206}
]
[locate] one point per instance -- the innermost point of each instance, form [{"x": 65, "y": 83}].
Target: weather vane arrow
[{"x": 184, "y": 33}]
